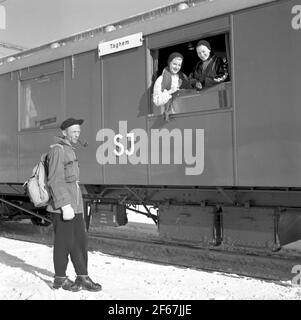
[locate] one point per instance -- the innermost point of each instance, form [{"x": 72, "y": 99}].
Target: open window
[
  {"x": 214, "y": 97},
  {"x": 41, "y": 101}
]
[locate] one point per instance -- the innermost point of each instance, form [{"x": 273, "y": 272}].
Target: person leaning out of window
[
  {"x": 167, "y": 84},
  {"x": 210, "y": 70}
]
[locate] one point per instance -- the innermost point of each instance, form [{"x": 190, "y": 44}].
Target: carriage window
[
  {"x": 41, "y": 101},
  {"x": 211, "y": 96}
]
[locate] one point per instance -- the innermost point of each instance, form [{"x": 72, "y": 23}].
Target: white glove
[{"x": 68, "y": 212}]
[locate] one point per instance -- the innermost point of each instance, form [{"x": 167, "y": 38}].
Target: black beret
[{"x": 70, "y": 122}]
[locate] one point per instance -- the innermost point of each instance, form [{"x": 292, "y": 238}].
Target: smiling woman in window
[
  {"x": 171, "y": 80},
  {"x": 210, "y": 70}
]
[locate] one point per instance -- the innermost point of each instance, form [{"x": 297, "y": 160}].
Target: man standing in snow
[{"x": 66, "y": 204}]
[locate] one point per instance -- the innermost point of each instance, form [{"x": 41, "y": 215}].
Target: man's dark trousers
[{"x": 70, "y": 238}]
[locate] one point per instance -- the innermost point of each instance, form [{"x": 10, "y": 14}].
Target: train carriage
[{"x": 225, "y": 170}]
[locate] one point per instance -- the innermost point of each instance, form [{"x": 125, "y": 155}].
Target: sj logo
[
  {"x": 296, "y": 20},
  {"x": 297, "y": 278}
]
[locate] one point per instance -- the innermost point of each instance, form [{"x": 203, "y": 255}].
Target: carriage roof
[{"x": 149, "y": 22}]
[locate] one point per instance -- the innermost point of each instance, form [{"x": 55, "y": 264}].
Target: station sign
[{"x": 120, "y": 44}]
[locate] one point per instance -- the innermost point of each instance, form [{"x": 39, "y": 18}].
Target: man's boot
[
  {"x": 65, "y": 283},
  {"x": 84, "y": 282}
]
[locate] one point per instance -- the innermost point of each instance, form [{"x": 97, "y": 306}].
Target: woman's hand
[
  {"x": 172, "y": 90},
  {"x": 198, "y": 85}
]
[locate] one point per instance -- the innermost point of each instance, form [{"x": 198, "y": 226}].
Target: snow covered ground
[{"x": 26, "y": 273}]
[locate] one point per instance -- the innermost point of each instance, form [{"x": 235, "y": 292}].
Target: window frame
[
  {"x": 177, "y": 36},
  {"x": 21, "y": 101}
]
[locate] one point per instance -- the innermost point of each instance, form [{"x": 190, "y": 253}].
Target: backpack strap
[
  {"x": 53, "y": 146},
  {"x": 44, "y": 157},
  {"x": 56, "y": 144},
  {"x": 61, "y": 146},
  {"x": 65, "y": 164}
]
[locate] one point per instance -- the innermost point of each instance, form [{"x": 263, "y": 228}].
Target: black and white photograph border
[{"x": 190, "y": 179}]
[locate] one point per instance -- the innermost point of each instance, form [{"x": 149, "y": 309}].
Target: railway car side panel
[
  {"x": 8, "y": 127},
  {"x": 31, "y": 147},
  {"x": 206, "y": 114},
  {"x": 267, "y": 93},
  {"x": 125, "y": 105},
  {"x": 205, "y": 138},
  {"x": 41, "y": 109},
  {"x": 83, "y": 101}
]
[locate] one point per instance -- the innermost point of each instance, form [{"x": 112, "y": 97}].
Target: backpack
[{"x": 36, "y": 186}]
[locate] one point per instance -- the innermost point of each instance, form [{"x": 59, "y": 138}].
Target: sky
[{"x": 31, "y": 23}]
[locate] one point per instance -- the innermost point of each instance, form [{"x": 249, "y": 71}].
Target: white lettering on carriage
[
  {"x": 133, "y": 147},
  {"x": 296, "y": 20}
]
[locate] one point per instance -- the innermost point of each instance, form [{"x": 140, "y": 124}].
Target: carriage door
[{"x": 202, "y": 122}]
